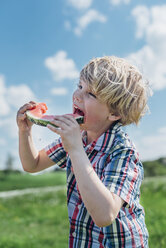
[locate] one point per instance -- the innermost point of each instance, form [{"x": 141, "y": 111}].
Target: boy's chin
[{"x": 82, "y": 127}]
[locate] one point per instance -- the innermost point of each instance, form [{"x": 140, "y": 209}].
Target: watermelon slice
[{"x": 37, "y": 116}]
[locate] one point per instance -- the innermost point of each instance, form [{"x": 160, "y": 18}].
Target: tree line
[{"x": 151, "y": 168}]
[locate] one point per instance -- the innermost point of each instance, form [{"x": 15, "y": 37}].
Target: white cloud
[
  {"x": 153, "y": 146},
  {"x": 118, "y": 2},
  {"x": 17, "y": 95},
  {"x": 2, "y": 142},
  {"x": 59, "y": 91},
  {"x": 8, "y": 125},
  {"x": 67, "y": 25},
  {"x": 142, "y": 18},
  {"x": 5, "y": 109},
  {"x": 13, "y": 96},
  {"x": 150, "y": 146},
  {"x": 151, "y": 23},
  {"x": 2, "y": 85},
  {"x": 162, "y": 130},
  {"x": 80, "y": 4},
  {"x": 61, "y": 67},
  {"x": 89, "y": 17}
]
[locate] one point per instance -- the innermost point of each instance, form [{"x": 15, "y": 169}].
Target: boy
[{"x": 104, "y": 173}]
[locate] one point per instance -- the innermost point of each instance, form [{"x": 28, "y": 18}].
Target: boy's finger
[
  {"x": 32, "y": 102},
  {"x": 60, "y": 124},
  {"x": 57, "y": 130},
  {"x": 61, "y": 120},
  {"x": 22, "y": 116},
  {"x": 26, "y": 107},
  {"x": 66, "y": 119}
]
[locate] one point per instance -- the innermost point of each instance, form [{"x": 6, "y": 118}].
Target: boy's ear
[{"x": 113, "y": 117}]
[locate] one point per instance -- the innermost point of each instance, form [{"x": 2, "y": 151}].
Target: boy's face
[{"x": 96, "y": 114}]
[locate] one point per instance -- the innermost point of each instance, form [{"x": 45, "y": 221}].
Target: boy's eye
[
  {"x": 91, "y": 94},
  {"x": 79, "y": 86}
]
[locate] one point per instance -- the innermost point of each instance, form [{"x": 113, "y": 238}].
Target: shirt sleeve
[
  {"x": 123, "y": 174},
  {"x": 56, "y": 152}
]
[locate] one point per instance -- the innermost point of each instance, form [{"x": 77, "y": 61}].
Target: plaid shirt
[{"x": 115, "y": 160}]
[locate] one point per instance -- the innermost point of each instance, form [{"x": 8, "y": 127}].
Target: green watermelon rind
[{"x": 44, "y": 122}]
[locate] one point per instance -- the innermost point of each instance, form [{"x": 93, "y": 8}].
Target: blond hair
[{"x": 118, "y": 84}]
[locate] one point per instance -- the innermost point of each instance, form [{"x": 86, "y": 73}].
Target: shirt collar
[{"x": 105, "y": 141}]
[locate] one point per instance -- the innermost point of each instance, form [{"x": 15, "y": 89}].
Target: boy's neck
[{"x": 91, "y": 136}]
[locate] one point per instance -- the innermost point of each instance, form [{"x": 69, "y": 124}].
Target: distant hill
[
  {"x": 152, "y": 168},
  {"x": 155, "y": 167}
]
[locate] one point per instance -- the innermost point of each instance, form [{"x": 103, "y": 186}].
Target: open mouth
[{"x": 78, "y": 111}]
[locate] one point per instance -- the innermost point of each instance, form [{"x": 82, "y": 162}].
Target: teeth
[{"x": 77, "y": 110}]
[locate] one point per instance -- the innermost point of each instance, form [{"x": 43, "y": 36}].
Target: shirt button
[
  {"x": 74, "y": 234},
  {"x": 79, "y": 207}
]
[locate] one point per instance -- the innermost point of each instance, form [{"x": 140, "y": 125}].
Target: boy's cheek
[{"x": 92, "y": 118}]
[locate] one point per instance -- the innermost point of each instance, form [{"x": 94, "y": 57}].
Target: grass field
[
  {"x": 14, "y": 181},
  {"x": 35, "y": 221},
  {"x": 154, "y": 201}
]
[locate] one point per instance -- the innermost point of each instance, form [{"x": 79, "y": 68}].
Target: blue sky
[{"x": 44, "y": 45}]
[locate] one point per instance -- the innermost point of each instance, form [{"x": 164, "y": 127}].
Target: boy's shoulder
[{"x": 121, "y": 141}]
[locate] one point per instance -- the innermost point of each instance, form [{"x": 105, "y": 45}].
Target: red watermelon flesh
[{"x": 37, "y": 115}]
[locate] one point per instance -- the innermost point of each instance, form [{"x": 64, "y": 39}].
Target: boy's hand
[
  {"x": 23, "y": 123},
  {"x": 69, "y": 131}
]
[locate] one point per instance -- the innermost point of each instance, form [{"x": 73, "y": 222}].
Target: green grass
[
  {"x": 154, "y": 201},
  {"x": 35, "y": 221},
  {"x": 14, "y": 181}
]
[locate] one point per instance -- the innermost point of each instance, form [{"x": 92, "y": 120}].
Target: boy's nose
[{"x": 77, "y": 97}]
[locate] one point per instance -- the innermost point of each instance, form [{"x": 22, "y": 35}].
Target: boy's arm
[
  {"x": 32, "y": 160},
  {"x": 102, "y": 205}
]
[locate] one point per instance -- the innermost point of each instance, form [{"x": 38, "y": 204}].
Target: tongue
[{"x": 78, "y": 112}]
